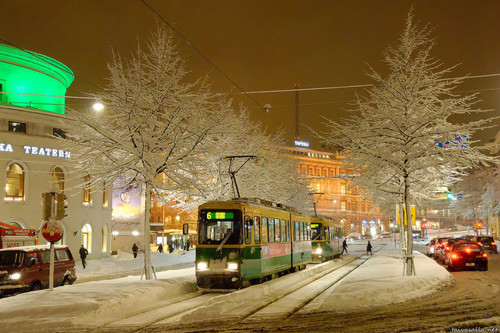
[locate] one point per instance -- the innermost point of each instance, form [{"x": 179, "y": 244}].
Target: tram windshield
[
  {"x": 316, "y": 231},
  {"x": 216, "y": 225}
]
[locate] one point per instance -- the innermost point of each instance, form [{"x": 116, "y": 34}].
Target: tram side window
[
  {"x": 270, "y": 229},
  {"x": 283, "y": 231},
  {"x": 277, "y": 230},
  {"x": 256, "y": 226},
  {"x": 264, "y": 230},
  {"x": 296, "y": 233},
  {"x": 287, "y": 230},
  {"x": 248, "y": 230},
  {"x": 306, "y": 236},
  {"x": 301, "y": 231}
]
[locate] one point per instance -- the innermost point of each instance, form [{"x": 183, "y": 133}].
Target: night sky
[{"x": 264, "y": 45}]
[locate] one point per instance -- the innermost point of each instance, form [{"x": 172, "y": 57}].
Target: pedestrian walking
[
  {"x": 160, "y": 248},
  {"x": 188, "y": 244},
  {"x": 170, "y": 248},
  {"x": 134, "y": 250},
  {"x": 344, "y": 246},
  {"x": 369, "y": 248},
  {"x": 83, "y": 255}
]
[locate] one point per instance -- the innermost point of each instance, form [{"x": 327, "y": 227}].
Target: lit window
[
  {"x": 14, "y": 184},
  {"x": 58, "y": 178},
  {"x": 343, "y": 206},
  {"x": 342, "y": 189},
  {"x": 318, "y": 187},
  {"x": 87, "y": 237},
  {"x": 104, "y": 196},
  {"x": 87, "y": 192}
]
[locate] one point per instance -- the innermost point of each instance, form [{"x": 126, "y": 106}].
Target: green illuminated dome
[{"x": 32, "y": 80}]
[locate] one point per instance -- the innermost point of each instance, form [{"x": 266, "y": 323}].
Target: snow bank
[
  {"x": 91, "y": 303},
  {"x": 379, "y": 282}
]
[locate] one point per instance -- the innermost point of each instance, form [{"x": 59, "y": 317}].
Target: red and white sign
[{"x": 52, "y": 231}]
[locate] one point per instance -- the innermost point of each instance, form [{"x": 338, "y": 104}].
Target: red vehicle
[
  {"x": 467, "y": 256},
  {"x": 27, "y": 268},
  {"x": 11, "y": 236}
]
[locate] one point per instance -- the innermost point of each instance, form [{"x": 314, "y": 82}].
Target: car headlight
[
  {"x": 319, "y": 250},
  {"x": 232, "y": 266},
  {"x": 201, "y": 266},
  {"x": 15, "y": 276}
]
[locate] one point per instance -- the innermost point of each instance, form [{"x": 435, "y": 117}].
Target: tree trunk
[
  {"x": 147, "y": 233},
  {"x": 409, "y": 265}
]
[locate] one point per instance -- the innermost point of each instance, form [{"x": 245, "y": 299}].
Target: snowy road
[{"x": 472, "y": 301}]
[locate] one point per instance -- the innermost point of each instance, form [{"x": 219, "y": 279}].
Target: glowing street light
[{"x": 98, "y": 106}]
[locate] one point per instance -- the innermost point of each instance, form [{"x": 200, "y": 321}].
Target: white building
[{"x": 32, "y": 89}]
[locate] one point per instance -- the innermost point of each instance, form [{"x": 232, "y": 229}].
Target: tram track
[{"x": 279, "y": 308}]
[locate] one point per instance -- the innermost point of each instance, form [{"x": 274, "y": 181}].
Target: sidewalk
[{"x": 378, "y": 281}]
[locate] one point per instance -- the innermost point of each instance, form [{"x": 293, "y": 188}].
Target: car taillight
[
  {"x": 454, "y": 256},
  {"x": 479, "y": 243},
  {"x": 493, "y": 243},
  {"x": 485, "y": 255}
]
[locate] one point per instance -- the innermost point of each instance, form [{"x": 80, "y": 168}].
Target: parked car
[
  {"x": 467, "y": 256},
  {"x": 487, "y": 242},
  {"x": 27, "y": 268}
]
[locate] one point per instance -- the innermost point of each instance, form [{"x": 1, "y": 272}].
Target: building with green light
[
  {"x": 32, "y": 80},
  {"x": 32, "y": 104}
]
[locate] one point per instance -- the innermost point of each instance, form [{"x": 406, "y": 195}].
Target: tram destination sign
[{"x": 220, "y": 215}]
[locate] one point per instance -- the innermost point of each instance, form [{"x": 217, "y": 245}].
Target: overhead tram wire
[{"x": 243, "y": 92}]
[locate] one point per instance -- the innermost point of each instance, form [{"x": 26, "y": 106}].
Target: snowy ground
[{"x": 377, "y": 281}]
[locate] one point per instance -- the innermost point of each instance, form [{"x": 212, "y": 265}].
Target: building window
[
  {"x": 87, "y": 237},
  {"x": 104, "y": 195},
  {"x": 342, "y": 189},
  {"x": 332, "y": 173},
  {"x": 59, "y": 133},
  {"x": 343, "y": 206},
  {"x": 58, "y": 178},
  {"x": 14, "y": 183},
  {"x": 87, "y": 192},
  {"x": 15, "y": 126},
  {"x": 104, "y": 247},
  {"x": 318, "y": 187}
]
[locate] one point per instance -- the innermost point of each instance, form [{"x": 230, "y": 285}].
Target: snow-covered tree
[
  {"x": 491, "y": 195},
  {"x": 398, "y": 135},
  {"x": 155, "y": 129}
]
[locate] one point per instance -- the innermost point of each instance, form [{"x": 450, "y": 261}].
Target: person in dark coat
[
  {"x": 344, "y": 246},
  {"x": 160, "y": 248},
  {"x": 170, "y": 248},
  {"x": 369, "y": 248},
  {"x": 188, "y": 244},
  {"x": 134, "y": 250},
  {"x": 83, "y": 255}
]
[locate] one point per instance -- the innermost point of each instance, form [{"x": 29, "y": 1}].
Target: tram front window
[
  {"x": 215, "y": 226},
  {"x": 316, "y": 231}
]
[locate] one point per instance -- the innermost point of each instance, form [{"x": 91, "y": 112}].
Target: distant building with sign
[{"x": 32, "y": 104}]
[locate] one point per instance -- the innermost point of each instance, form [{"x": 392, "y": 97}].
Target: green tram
[
  {"x": 326, "y": 239},
  {"x": 247, "y": 241}
]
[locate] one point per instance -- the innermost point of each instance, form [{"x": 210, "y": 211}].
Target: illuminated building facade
[
  {"x": 32, "y": 90},
  {"x": 332, "y": 195}
]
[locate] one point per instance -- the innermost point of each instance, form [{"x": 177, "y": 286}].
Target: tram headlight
[
  {"x": 201, "y": 266},
  {"x": 15, "y": 276},
  {"x": 232, "y": 266},
  {"x": 319, "y": 250}
]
